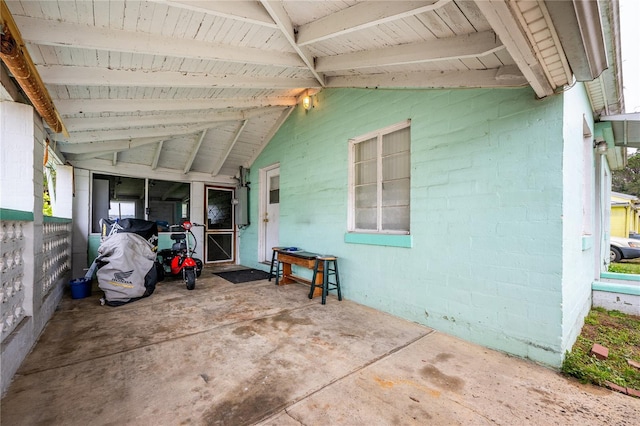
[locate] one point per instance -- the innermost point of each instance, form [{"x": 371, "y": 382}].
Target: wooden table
[{"x": 304, "y": 259}]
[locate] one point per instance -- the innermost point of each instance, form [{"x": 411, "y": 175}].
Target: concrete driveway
[{"x": 254, "y": 353}]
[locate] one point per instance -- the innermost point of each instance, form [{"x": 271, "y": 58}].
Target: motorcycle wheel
[{"x": 190, "y": 278}]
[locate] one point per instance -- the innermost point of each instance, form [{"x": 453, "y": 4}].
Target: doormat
[{"x": 243, "y": 275}]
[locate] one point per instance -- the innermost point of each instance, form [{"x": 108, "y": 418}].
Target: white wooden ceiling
[{"x": 192, "y": 90}]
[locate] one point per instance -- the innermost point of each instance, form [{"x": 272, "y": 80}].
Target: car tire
[{"x": 614, "y": 254}]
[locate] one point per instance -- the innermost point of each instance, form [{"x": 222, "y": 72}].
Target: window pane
[
  {"x": 168, "y": 203},
  {"x": 396, "y": 193},
  {"x": 365, "y": 150},
  {"x": 395, "y": 218},
  {"x": 366, "y": 173},
  {"x": 274, "y": 189},
  {"x": 219, "y": 209},
  {"x": 397, "y": 141},
  {"x": 116, "y": 197},
  {"x": 366, "y": 196},
  {"x": 366, "y": 218},
  {"x": 396, "y": 166},
  {"x": 395, "y": 205},
  {"x": 219, "y": 247},
  {"x": 122, "y": 210}
]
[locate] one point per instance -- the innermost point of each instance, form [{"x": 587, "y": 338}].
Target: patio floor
[{"x": 254, "y": 353}]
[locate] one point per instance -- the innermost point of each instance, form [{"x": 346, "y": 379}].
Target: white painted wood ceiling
[{"x": 192, "y": 90}]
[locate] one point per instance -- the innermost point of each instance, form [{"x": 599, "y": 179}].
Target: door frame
[{"x": 262, "y": 210}]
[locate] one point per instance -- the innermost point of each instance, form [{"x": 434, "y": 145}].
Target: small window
[
  {"x": 274, "y": 190},
  {"x": 380, "y": 181}
]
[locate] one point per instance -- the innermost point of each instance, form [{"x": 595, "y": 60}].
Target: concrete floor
[{"x": 255, "y": 353}]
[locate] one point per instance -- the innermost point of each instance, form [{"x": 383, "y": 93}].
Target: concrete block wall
[
  {"x": 21, "y": 189},
  {"x": 579, "y": 164},
  {"x": 486, "y": 210}
]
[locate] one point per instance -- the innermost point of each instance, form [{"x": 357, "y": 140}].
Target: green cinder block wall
[{"x": 486, "y": 210}]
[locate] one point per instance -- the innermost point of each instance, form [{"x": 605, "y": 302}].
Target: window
[
  {"x": 164, "y": 202},
  {"x": 379, "y": 180}
]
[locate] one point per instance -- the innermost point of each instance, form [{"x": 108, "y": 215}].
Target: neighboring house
[
  {"x": 456, "y": 156},
  {"x": 625, "y": 214}
]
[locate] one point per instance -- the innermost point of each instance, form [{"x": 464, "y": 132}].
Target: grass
[
  {"x": 625, "y": 268},
  {"x": 618, "y": 332}
]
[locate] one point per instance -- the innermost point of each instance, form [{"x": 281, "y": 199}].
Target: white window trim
[{"x": 351, "y": 219}]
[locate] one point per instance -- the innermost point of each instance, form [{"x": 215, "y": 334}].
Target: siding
[{"x": 486, "y": 210}]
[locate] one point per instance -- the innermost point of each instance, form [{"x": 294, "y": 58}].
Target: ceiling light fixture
[{"x": 306, "y": 102}]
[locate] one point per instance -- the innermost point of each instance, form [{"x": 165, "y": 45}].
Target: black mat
[{"x": 243, "y": 275}]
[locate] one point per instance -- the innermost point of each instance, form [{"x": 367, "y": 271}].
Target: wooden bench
[{"x": 304, "y": 259}]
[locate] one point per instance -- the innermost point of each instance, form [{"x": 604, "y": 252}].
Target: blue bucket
[{"x": 80, "y": 288}]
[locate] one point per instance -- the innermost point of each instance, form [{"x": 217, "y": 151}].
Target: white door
[{"x": 271, "y": 217}]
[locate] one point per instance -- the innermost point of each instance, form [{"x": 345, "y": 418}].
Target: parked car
[{"x": 624, "y": 248}]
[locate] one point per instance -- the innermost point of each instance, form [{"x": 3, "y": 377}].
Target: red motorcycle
[{"x": 179, "y": 260}]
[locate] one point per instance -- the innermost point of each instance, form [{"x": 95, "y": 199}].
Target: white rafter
[
  {"x": 54, "y": 33},
  {"x": 503, "y": 22},
  {"x": 459, "y": 47},
  {"x": 96, "y": 123},
  {"x": 360, "y": 16},
  {"x": 107, "y": 146},
  {"x": 96, "y": 76},
  {"x": 162, "y": 132},
  {"x": 283, "y": 117},
  {"x": 115, "y": 158},
  {"x": 88, "y": 155},
  {"x": 79, "y": 106},
  {"x": 282, "y": 20},
  {"x": 229, "y": 147},
  {"x": 194, "y": 152},
  {"x": 156, "y": 155},
  {"x": 244, "y": 11},
  {"x": 164, "y": 173},
  {"x": 503, "y": 77}
]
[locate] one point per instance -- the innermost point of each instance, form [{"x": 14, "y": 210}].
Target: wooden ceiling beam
[
  {"x": 100, "y": 165},
  {"x": 244, "y": 11},
  {"x": 229, "y": 147},
  {"x": 460, "y": 47},
  {"x": 123, "y": 122},
  {"x": 282, "y": 20},
  {"x": 265, "y": 140},
  {"x": 194, "y": 152},
  {"x": 64, "y": 34},
  {"x": 503, "y": 77},
  {"x": 97, "y": 76},
  {"x": 107, "y": 146},
  {"x": 80, "y": 106},
  {"x": 361, "y": 16},
  {"x": 156, "y": 155},
  {"x": 162, "y": 132}
]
